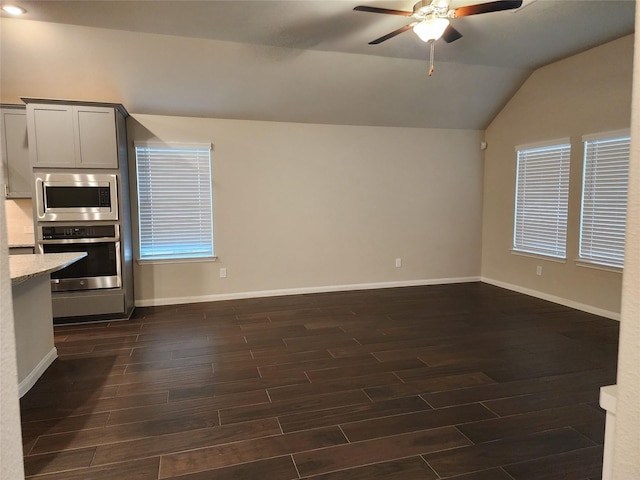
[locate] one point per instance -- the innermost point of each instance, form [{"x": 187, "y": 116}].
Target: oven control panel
[{"x": 79, "y": 231}]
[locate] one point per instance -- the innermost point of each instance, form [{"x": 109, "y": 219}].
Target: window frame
[
  {"x": 178, "y": 257},
  {"x": 590, "y": 188},
  {"x": 552, "y": 246}
]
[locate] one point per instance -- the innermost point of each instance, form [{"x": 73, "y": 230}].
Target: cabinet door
[
  {"x": 15, "y": 153},
  {"x": 51, "y": 135},
  {"x": 96, "y": 141}
]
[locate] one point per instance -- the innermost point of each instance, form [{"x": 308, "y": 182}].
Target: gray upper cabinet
[
  {"x": 15, "y": 152},
  {"x": 72, "y": 136}
]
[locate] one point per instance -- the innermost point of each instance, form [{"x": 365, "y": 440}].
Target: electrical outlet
[
  {"x": 223, "y": 272},
  {"x": 539, "y": 270},
  {"x": 398, "y": 262}
]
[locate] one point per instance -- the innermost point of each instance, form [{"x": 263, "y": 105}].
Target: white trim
[
  {"x": 30, "y": 380},
  {"x": 558, "y": 142},
  {"x": 553, "y": 298},
  {"x": 540, "y": 256},
  {"x": 597, "y": 266},
  {"x": 609, "y": 403},
  {"x": 590, "y": 137},
  {"x": 154, "y": 302},
  {"x": 152, "y": 261}
]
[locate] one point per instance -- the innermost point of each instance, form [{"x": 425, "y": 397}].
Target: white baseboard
[
  {"x": 153, "y": 302},
  {"x": 25, "y": 385},
  {"x": 553, "y": 298}
]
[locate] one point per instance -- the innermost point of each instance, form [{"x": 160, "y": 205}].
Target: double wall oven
[{"x": 80, "y": 212}]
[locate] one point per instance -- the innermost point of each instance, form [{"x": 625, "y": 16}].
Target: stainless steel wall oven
[{"x": 100, "y": 269}]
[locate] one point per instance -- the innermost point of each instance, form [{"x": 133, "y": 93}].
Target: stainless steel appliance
[
  {"x": 81, "y": 204},
  {"x": 100, "y": 269},
  {"x": 98, "y": 287},
  {"x": 76, "y": 196}
]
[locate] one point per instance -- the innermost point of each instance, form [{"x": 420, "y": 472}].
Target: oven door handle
[{"x": 71, "y": 241}]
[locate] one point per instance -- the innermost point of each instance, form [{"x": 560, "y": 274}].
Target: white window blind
[
  {"x": 174, "y": 201},
  {"x": 542, "y": 192},
  {"x": 604, "y": 199}
]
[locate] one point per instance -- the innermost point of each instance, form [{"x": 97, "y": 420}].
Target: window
[
  {"x": 604, "y": 198},
  {"x": 542, "y": 191},
  {"x": 174, "y": 201}
]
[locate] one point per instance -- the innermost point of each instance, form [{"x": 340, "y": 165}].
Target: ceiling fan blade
[
  {"x": 487, "y": 8},
  {"x": 392, "y": 34},
  {"x": 451, "y": 34},
  {"x": 363, "y": 8}
]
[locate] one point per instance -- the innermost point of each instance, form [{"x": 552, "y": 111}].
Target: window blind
[
  {"x": 542, "y": 192},
  {"x": 174, "y": 202},
  {"x": 604, "y": 200}
]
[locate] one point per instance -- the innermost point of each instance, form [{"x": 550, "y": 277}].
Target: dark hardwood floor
[{"x": 467, "y": 381}]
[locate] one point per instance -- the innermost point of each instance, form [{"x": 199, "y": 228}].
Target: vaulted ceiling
[{"x": 312, "y": 57}]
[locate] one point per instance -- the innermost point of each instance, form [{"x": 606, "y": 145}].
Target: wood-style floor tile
[
  {"x": 428, "y": 385},
  {"x": 146, "y": 469},
  {"x": 351, "y": 413},
  {"x": 186, "y": 408},
  {"x": 78, "y": 405},
  {"x": 411, "y": 422},
  {"x": 55, "y": 462},
  {"x": 306, "y": 404},
  {"x": 209, "y": 389},
  {"x": 248, "y": 451},
  {"x": 32, "y": 430},
  {"x": 486, "y": 392},
  {"x": 331, "y": 386},
  {"x": 157, "y": 445},
  {"x": 504, "y": 452},
  {"x": 491, "y": 474},
  {"x": 542, "y": 400},
  {"x": 583, "y": 463},
  {"x": 366, "y": 369},
  {"x": 280, "y": 468},
  {"x": 539, "y": 421},
  {"x": 118, "y": 433},
  {"x": 414, "y": 468},
  {"x": 463, "y": 382},
  {"x": 381, "y": 449},
  {"x": 283, "y": 369},
  {"x": 593, "y": 430}
]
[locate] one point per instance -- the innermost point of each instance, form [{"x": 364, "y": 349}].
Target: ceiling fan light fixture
[
  {"x": 431, "y": 29},
  {"x": 14, "y": 10}
]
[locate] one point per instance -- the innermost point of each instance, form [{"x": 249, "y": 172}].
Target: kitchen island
[{"x": 32, "y": 314}]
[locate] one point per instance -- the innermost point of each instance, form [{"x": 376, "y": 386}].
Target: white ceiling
[{"x": 474, "y": 76}]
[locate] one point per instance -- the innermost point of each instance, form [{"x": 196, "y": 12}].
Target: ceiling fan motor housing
[{"x": 435, "y": 8}]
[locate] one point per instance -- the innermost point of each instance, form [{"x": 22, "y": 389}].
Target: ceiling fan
[{"x": 432, "y": 19}]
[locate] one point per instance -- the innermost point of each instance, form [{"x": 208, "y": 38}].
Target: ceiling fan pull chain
[{"x": 433, "y": 50}]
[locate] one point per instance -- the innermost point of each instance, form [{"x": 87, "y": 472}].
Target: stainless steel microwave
[{"x": 76, "y": 196}]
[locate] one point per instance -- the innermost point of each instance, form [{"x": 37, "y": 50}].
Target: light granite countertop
[{"x": 23, "y": 267}]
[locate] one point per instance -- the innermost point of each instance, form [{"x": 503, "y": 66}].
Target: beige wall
[
  {"x": 302, "y": 207},
  {"x": 586, "y": 93}
]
